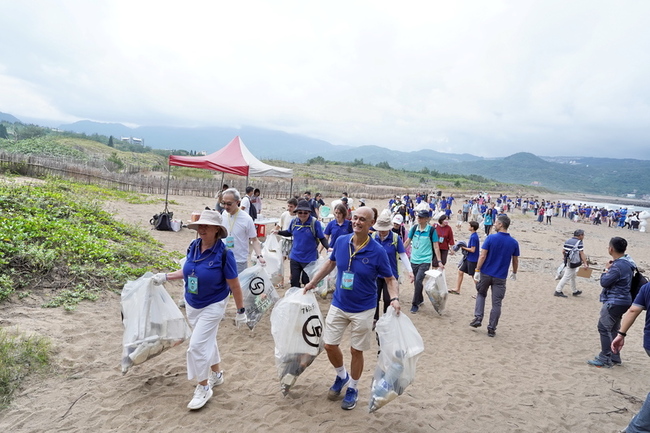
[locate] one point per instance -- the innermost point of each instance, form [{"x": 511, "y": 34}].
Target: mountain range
[{"x": 579, "y": 174}]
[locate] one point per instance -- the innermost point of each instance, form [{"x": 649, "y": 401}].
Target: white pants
[
  {"x": 203, "y": 351},
  {"x": 569, "y": 275}
]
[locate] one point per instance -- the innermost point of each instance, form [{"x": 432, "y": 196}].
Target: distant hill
[
  {"x": 579, "y": 174},
  {"x": 4, "y": 117}
]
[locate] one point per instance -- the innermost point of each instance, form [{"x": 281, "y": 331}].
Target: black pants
[
  {"x": 382, "y": 291},
  {"x": 297, "y": 273}
]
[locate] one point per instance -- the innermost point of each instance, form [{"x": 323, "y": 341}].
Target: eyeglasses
[
  {"x": 227, "y": 203},
  {"x": 303, "y": 212}
]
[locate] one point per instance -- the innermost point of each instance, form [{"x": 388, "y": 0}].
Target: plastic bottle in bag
[{"x": 387, "y": 383}]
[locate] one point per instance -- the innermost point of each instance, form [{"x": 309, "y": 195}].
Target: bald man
[{"x": 359, "y": 261}]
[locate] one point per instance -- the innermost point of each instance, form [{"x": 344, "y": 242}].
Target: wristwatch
[
  {"x": 394, "y": 299},
  {"x": 242, "y": 310}
]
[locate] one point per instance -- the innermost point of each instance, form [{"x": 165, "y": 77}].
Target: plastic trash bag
[
  {"x": 297, "y": 329},
  {"x": 259, "y": 293},
  {"x": 435, "y": 286},
  {"x": 560, "y": 271},
  {"x": 272, "y": 253},
  {"x": 152, "y": 322},
  {"x": 327, "y": 284},
  {"x": 401, "y": 345}
]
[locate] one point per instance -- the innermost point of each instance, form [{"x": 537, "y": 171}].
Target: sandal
[{"x": 453, "y": 291}]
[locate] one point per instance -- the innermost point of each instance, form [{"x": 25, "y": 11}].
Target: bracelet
[
  {"x": 622, "y": 334},
  {"x": 394, "y": 299}
]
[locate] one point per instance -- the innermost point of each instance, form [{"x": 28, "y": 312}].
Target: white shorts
[{"x": 361, "y": 331}]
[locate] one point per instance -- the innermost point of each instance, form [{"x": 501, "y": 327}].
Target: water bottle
[{"x": 387, "y": 383}]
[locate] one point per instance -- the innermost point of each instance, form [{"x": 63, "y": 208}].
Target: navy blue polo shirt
[{"x": 211, "y": 273}]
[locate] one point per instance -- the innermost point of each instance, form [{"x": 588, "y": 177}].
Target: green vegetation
[
  {"x": 56, "y": 236},
  {"x": 20, "y": 355}
]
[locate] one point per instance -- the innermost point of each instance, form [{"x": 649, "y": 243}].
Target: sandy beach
[{"x": 532, "y": 377}]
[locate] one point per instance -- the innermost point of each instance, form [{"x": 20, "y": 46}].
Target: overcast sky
[{"x": 485, "y": 77}]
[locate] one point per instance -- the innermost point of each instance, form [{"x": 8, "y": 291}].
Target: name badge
[
  {"x": 230, "y": 242},
  {"x": 193, "y": 285},
  {"x": 347, "y": 281}
]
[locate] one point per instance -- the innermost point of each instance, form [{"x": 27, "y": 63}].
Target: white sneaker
[
  {"x": 200, "y": 398},
  {"x": 215, "y": 379}
]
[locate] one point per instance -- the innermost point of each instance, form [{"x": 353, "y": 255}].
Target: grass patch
[
  {"x": 20, "y": 355},
  {"x": 56, "y": 236}
]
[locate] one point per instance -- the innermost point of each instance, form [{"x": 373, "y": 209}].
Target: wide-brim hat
[
  {"x": 383, "y": 223},
  {"x": 209, "y": 218},
  {"x": 303, "y": 205}
]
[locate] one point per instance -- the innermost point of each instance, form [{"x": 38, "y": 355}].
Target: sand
[{"x": 532, "y": 377}]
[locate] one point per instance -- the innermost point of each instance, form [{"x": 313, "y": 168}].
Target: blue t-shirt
[
  {"x": 392, "y": 249},
  {"x": 210, "y": 272},
  {"x": 335, "y": 230},
  {"x": 502, "y": 247},
  {"x": 643, "y": 300},
  {"x": 367, "y": 265},
  {"x": 305, "y": 245},
  {"x": 474, "y": 241}
]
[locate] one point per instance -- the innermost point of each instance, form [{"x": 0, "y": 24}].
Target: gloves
[
  {"x": 477, "y": 276},
  {"x": 159, "y": 279},
  {"x": 240, "y": 319},
  {"x": 513, "y": 276}
]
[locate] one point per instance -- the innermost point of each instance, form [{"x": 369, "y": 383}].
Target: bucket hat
[{"x": 209, "y": 218}]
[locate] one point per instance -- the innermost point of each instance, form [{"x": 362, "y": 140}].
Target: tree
[
  {"x": 318, "y": 160},
  {"x": 384, "y": 164},
  {"x": 110, "y": 141},
  {"x": 3, "y": 131}
]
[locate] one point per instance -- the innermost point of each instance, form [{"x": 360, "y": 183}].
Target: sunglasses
[
  {"x": 227, "y": 203},
  {"x": 303, "y": 212}
]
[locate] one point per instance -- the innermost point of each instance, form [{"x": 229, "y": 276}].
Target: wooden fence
[{"x": 102, "y": 172}]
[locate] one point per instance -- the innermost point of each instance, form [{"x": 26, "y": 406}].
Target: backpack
[
  {"x": 162, "y": 220},
  {"x": 638, "y": 281},
  {"x": 431, "y": 232},
  {"x": 573, "y": 257},
  {"x": 375, "y": 236},
  {"x": 312, "y": 226},
  {"x": 252, "y": 211}
]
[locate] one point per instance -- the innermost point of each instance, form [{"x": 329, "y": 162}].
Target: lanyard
[
  {"x": 196, "y": 255},
  {"x": 231, "y": 221},
  {"x": 352, "y": 254}
]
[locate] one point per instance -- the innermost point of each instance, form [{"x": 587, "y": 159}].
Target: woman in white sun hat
[{"x": 210, "y": 273}]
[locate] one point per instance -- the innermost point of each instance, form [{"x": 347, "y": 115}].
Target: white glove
[
  {"x": 240, "y": 319},
  {"x": 513, "y": 276},
  {"x": 477, "y": 276},
  {"x": 159, "y": 279}
]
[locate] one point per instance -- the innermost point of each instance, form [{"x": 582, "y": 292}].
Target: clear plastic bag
[
  {"x": 297, "y": 328},
  {"x": 401, "y": 345},
  {"x": 327, "y": 284},
  {"x": 272, "y": 253},
  {"x": 259, "y": 293},
  {"x": 152, "y": 321},
  {"x": 435, "y": 286}
]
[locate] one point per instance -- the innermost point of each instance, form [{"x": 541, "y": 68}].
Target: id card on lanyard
[{"x": 347, "y": 281}]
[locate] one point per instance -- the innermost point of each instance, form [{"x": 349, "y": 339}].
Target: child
[{"x": 459, "y": 218}]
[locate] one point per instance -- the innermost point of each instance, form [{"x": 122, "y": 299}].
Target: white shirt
[
  {"x": 246, "y": 204},
  {"x": 241, "y": 227}
]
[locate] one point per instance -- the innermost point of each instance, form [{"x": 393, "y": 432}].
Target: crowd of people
[{"x": 365, "y": 247}]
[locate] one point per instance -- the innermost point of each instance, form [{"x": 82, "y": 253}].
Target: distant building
[{"x": 132, "y": 140}]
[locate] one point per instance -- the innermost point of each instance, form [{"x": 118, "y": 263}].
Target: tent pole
[
  {"x": 169, "y": 173},
  {"x": 291, "y": 189}
]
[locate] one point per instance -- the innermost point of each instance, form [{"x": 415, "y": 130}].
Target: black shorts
[{"x": 468, "y": 267}]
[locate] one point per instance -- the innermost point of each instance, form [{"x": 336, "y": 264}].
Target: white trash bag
[
  {"x": 559, "y": 272},
  {"x": 152, "y": 321},
  {"x": 401, "y": 345},
  {"x": 272, "y": 253},
  {"x": 435, "y": 286},
  {"x": 297, "y": 329},
  {"x": 259, "y": 293},
  {"x": 327, "y": 284}
]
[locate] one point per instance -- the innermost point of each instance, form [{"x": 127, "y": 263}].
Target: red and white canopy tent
[{"x": 234, "y": 158}]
